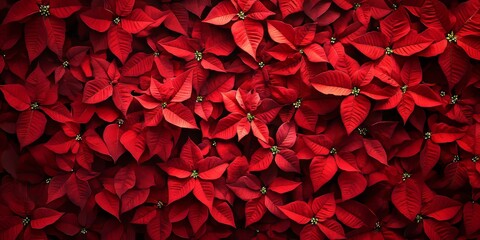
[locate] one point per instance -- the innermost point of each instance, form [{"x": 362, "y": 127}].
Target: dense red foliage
[{"x": 240, "y": 119}]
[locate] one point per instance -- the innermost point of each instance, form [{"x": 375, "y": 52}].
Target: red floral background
[{"x": 239, "y": 119}]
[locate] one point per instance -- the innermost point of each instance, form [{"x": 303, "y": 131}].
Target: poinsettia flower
[
  {"x": 386, "y": 6},
  {"x": 458, "y": 168},
  {"x": 120, "y": 19},
  {"x": 262, "y": 59},
  {"x": 470, "y": 143},
  {"x": 333, "y": 38},
  {"x": 36, "y": 96},
  {"x": 269, "y": 228},
  {"x": 317, "y": 216},
  {"x": 278, "y": 151},
  {"x": 294, "y": 41},
  {"x": 21, "y": 214},
  {"x": 109, "y": 83},
  {"x": 71, "y": 63},
  {"x": 301, "y": 102},
  {"x": 266, "y": 67},
  {"x": 410, "y": 92},
  {"x": 362, "y": 10},
  {"x": 329, "y": 152},
  {"x": 7, "y": 43},
  {"x": 15, "y": 60},
  {"x": 378, "y": 138},
  {"x": 370, "y": 225},
  {"x": 161, "y": 59},
  {"x": 71, "y": 183},
  {"x": 262, "y": 194},
  {"x": 470, "y": 214},
  {"x": 458, "y": 104},
  {"x": 202, "y": 49},
  {"x": 210, "y": 146},
  {"x": 210, "y": 95},
  {"x": 249, "y": 112},
  {"x": 44, "y": 24},
  {"x": 434, "y": 216},
  {"x": 84, "y": 226},
  {"x": 454, "y": 36},
  {"x": 395, "y": 37},
  {"x": 70, "y": 72},
  {"x": 164, "y": 100},
  {"x": 428, "y": 143},
  {"x": 358, "y": 87},
  {"x": 81, "y": 144},
  {"x": 193, "y": 172},
  {"x": 247, "y": 30},
  {"x": 154, "y": 214}
]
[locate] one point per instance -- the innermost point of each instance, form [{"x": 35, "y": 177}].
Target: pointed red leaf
[
  {"x": 124, "y": 180},
  {"x": 179, "y": 188},
  {"x": 55, "y": 34},
  {"x": 108, "y": 202},
  {"x": 180, "y": 116},
  {"x": 78, "y": 191},
  {"x": 288, "y": 7},
  {"x": 406, "y": 197},
  {"x": 351, "y": 184},
  {"x": 226, "y": 128},
  {"x": 222, "y": 213},
  {"x": 282, "y": 185},
  {"x": 120, "y": 43},
  {"x": 35, "y": 37},
  {"x": 322, "y": 170},
  {"x": 197, "y": 216},
  {"x": 134, "y": 198},
  {"x": 333, "y": 82},
  {"x": 453, "y": 62},
  {"x": 332, "y": 229},
  {"x": 136, "y": 21},
  {"x": 298, "y": 211},
  {"x": 143, "y": 215},
  {"x": 204, "y": 191},
  {"x": 221, "y": 14},
  {"x": 260, "y": 160},
  {"x": 355, "y": 215},
  {"x": 20, "y": 10},
  {"x": 56, "y": 187},
  {"x": 375, "y": 150},
  {"x": 137, "y": 65},
  {"x": 43, "y": 217},
  {"x": 254, "y": 211},
  {"x": 281, "y": 32},
  {"x": 354, "y": 111},
  {"x": 98, "y": 19},
  {"x": 287, "y": 160},
  {"x": 247, "y": 35},
  {"x": 19, "y": 102},
  {"x": 30, "y": 126},
  {"x": 111, "y": 136},
  {"x": 96, "y": 91},
  {"x": 372, "y": 44}
]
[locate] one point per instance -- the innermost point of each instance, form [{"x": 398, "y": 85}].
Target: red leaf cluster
[{"x": 240, "y": 119}]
